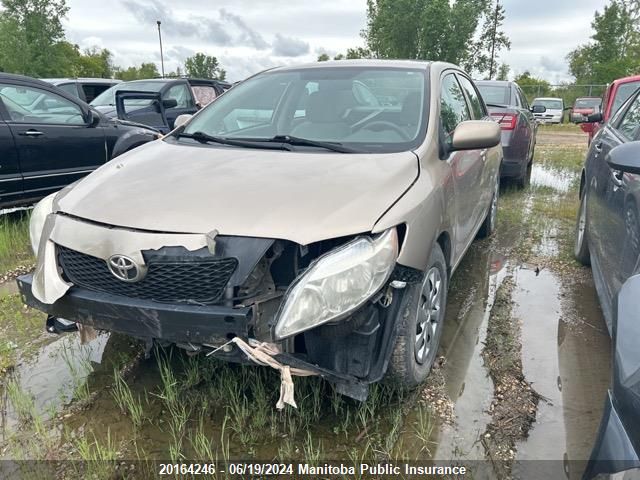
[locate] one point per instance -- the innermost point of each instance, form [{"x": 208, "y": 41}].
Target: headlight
[
  {"x": 338, "y": 283},
  {"x": 38, "y": 216}
]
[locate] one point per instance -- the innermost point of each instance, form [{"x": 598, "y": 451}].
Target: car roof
[
  {"x": 412, "y": 64},
  {"x": 56, "y": 81},
  {"x": 633, "y": 78},
  {"x": 497, "y": 83},
  {"x": 24, "y": 79}
]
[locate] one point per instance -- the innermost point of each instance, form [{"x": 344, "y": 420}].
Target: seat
[{"x": 323, "y": 118}]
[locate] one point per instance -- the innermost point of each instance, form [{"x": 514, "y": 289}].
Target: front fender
[{"x": 131, "y": 140}]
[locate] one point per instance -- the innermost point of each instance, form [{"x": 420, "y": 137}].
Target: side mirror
[
  {"x": 625, "y": 158},
  {"x": 181, "y": 120},
  {"x": 476, "y": 135},
  {"x": 169, "y": 103},
  {"x": 91, "y": 118},
  {"x": 538, "y": 109},
  {"x": 595, "y": 118}
]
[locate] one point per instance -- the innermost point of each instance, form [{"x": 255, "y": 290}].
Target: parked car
[
  {"x": 86, "y": 89},
  {"x": 509, "y": 107},
  {"x": 585, "y": 106},
  {"x": 158, "y": 102},
  {"x": 614, "y": 96},
  {"x": 554, "y": 110},
  {"x": 290, "y": 211},
  {"x": 608, "y": 238},
  {"x": 49, "y": 139},
  {"x": 617, "y": 446}
]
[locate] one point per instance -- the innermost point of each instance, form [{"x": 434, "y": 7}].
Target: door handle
[
  {"x": 483, "y": 155},
  {"x": 617, "y": 178},
  {"x": 31, "y": 133},
  {"x": 598, "y": 147}
]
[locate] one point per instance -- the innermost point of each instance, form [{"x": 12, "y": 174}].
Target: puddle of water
[
  {"x": 560, "y": 180},
  {"x": 568, "y": 366}
]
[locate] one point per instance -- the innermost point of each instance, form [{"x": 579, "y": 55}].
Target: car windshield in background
[
  {"x": 365, "y": 109},
  {"x": 495, "y": 94},
  {"x": 550, "y": 104},
  {"x": 588, "y": 102},
  {"x": 625, "y": 90},
  {"x": 108, "y": 97}
]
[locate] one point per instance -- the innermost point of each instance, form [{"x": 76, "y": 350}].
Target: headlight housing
[
  {"x": 38, "y": 216},
  {"x": 338, "y": 283}
]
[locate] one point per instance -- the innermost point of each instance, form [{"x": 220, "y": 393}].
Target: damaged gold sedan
[{"x": 308, "y": 219}]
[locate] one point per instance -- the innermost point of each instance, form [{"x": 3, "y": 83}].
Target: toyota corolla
[{"x": 308, "y": 219}]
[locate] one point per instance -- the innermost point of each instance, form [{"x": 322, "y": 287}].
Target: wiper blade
[
  {"x": 206, "y": 138},
  {"x": 305, "y": 142}
]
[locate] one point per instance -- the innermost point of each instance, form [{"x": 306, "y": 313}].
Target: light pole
[{"x": 161, "y": 55}]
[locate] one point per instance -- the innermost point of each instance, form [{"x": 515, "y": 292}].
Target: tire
[
  {"x": 489, "y": 224},
  {"x": 581, "y": 245},
  {"x": 416, "y": 347},
  {"x": 524, "y": 180}
]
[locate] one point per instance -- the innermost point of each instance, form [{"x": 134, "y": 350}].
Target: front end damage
[{"x": 202, "y": 291}]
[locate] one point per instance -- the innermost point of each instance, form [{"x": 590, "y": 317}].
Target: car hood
[{"x": 299, "y": 196}]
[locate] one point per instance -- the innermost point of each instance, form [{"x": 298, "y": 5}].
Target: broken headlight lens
[
  {"x": 338, "y": 283},
  {"x": 38, "y": 216}
]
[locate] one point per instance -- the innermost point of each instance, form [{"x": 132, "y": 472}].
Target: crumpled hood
[{"x": 299, "y": 196}]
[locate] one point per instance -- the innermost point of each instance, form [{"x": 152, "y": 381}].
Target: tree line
[{"x": 33, "y": 43}]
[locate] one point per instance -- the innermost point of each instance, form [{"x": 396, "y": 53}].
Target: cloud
[
  {"x": 289, "y": 47},
  {"x": 247, "y": 36}
]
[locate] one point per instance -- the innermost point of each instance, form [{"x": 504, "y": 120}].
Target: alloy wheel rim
[{"x": 428, "y": 320}]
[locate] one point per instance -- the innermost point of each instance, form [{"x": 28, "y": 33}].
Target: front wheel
[
  {"x": 420, "y": 326},
  {"x": 581, "y": 246}
]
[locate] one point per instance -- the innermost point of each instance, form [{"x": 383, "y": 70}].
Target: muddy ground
[{"x": 519, "y": 387}]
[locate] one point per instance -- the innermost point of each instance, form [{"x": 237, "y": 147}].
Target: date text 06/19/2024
[{"x": 301, "y": 469}]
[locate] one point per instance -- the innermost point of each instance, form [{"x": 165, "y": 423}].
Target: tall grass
[
  {"x": 127, "y": 403},
  {"x": 15, "y": 248}
]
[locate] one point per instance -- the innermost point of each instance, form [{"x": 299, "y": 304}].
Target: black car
[
  {"x": 86, "y": 89},
  {"x": 508, "y": 106},
  {"x": 159, "y": 101},
  {"x": 608, "y": 238},
  {"x": 49, "y": 139}
]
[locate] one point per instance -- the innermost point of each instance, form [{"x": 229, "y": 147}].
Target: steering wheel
[{"x": 386, "y": 124}]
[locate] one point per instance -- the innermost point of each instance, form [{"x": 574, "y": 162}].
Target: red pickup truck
[{"x": 615, "y": 95}]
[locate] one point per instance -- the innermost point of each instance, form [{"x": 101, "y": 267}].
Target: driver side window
[
  {"x": 453, "y": 106},
  {"x": 629, "y": 125},
  {"x": 32, "y": 105}
]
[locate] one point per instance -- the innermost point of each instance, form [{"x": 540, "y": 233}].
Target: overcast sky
[{"x": 250, "y": 35}]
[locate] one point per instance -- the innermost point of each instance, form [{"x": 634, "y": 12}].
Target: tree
[
  {"x": 204, "y": 66},
  {"x": 428, "y": 29},
  {"x": 94, "y": 62},
  {"x": 485, "y": 51},
  {"x": 503, "y": 72},
  {"x": 31, "y": 35},
  {"x": 145, "y": 70},
  {"x": 615, "y": 46},
  {"x": 324, "y": 57},
  {"x": 532, "y": 86}
]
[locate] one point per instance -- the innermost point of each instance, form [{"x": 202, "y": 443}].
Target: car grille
[{"x": 199, "y": 280}]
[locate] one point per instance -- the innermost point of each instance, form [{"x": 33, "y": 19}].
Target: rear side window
[
  {"x": 181, "y": 93},
  {"x": 523, "y": 99},
  {"x": 453, "y": 107},
  {"x": 70, "y": 88},
  {"x": 477, "y": 109},
  {"x": 91, "y": 91}
]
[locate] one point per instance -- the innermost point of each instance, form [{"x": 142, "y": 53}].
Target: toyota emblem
[{"x": 124, "y": 268}]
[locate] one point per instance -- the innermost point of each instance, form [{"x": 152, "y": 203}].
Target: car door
[
  {"x": 615, "y": 203},
  {"x": 485, "y": 181},
  {"x": 56, "y": 141},
  {"x": 11, "y": 189},
  {"x": 529, "y": 124},
  {"x": 181, "y": 93},
  {"x": 466, "y": 166}
]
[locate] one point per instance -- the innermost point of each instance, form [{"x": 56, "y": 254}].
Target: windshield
[
  {"x": 374, "y": 109},
  {"x": 588, "y": 102},
  {"x": 108, "y": 97},
  {"x": 625, "y": 90},
  {"x": 495, "y": 94},
  {"x": 549, "y": 104}
]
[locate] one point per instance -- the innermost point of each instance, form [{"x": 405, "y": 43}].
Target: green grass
[
  {"x": 15, "y": 247},
  {"x": 21, "y": 331}
]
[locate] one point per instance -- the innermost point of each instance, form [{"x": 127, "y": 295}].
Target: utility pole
[
  {"x": 493, "y": 39},
  {"x": 161, "y": 55}
]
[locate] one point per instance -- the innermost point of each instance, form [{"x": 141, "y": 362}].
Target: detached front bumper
[{"x": 143, "y": 318}]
